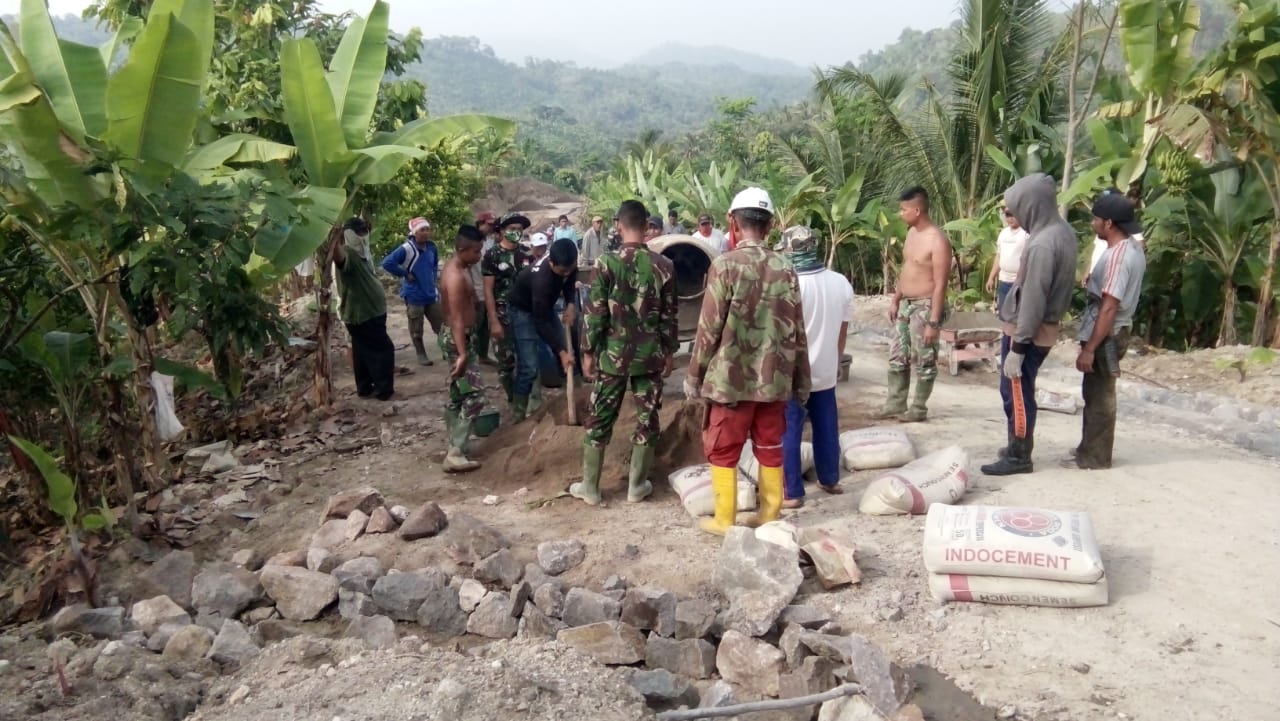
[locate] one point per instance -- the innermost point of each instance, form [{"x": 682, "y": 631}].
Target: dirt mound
[
  {"x": 527, "y": 205},
  {"x": 566, "y": 198}
]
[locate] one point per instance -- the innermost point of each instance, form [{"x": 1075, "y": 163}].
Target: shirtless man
[
  {"x": 457, "y": 343},
  {"x": 918, "y": 309}
]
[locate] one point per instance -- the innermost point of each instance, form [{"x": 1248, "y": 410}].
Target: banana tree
[{"x": 329, "y": 115}]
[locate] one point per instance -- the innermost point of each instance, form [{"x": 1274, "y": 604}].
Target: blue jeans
[
  {"x": 1030, "y": 368},
  {"x": 529, "y": 348},
  {"x": 822, "y": 413},
  {"x": 1002, "y": 289}
]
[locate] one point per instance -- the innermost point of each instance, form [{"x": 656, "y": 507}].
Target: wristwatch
[{"x": 934, "y": 324}]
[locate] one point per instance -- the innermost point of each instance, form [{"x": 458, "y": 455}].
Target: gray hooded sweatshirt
[{"x": 1042, "y": 293}]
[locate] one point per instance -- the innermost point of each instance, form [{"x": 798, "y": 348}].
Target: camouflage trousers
[
  {"x": 466, "y": 394},
  {"x": 907, "y": 347},
  {"x": 606, "y": 404},
  {"x": 504, "y": 351}
]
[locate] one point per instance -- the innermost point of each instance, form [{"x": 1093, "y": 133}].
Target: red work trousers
[{"x": 729, "y": 427}]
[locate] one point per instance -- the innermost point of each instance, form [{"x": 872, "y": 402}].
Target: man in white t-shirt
[
  {"x": 708, "y": 232},
  {"x": 1009, "y": 246},
  {"x": 827, "y": 300}
]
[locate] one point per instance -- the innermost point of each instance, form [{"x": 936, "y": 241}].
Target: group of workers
[{"x": 769, "y": 339}]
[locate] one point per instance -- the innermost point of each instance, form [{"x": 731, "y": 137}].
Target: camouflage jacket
[
  {"x": 751, "y": 344},
  {"x": 504, "y": 265},
  {"x": 631, "y": 312}
]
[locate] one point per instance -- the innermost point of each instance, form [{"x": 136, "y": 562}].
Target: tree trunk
[
  {"x": 155, "y": 465},
  {"x": 1227, "y": 333},
  {"x": 1261, "y": 322},
  {"x": 123, "y": 440},
  {"x": 322, "y": 381}
]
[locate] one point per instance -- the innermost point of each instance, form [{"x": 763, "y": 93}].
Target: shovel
[{"x": 568, "y": 382}]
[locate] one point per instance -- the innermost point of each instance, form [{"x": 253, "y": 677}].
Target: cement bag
[
  {"x": 832, "y": 556},
  {"x": 1012, "y": 542},
  {"x": 1047, "y": 400},
  {"x": 879, "y": 447},
  {"x": 693, "y": 485},
  {"x": 1017, "y": 591},
  {"x": 749, "y": 467},
  {"x": 168, "y": 426},
  {"x": 937, "y": 478}
]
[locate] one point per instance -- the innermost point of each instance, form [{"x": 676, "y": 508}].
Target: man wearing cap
[
  {"x": 1114, "y": 287},
  {"x": 631, "y": 340},
  {"x": 499, "y": 267},
  {"x": 416, "y": 263},
  {"x": 750, "y": 357},
  {"x": 917, "y": 309},
  {"x": 487, "y": 224},
  {"x": 827, "y": 298},
  {"x": 593, "y": 242},
  {"x": 363, "y": 309},
  {"x": 653, "y": 228},
  {"x": 709, "y": 233},
  {"x": 673, "y": 226},
  {"x": 538, "y": 243},
  {"x": 1032, "y": 313}
]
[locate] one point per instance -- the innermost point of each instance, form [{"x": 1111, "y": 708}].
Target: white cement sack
[
  {"x": 1011, "y": 542},
  {"x": 1017, "y": 591},
  {"x": 940, "y": 477},
  {"x": 779, "y": 533},
  {"x": 879, "y": 447},
  {"x": 749, "y": 467},
  {"x": 693, "y": 485},
  {"x": 1047, "y": 400}
]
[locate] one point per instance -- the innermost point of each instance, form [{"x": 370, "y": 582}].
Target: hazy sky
[{"x": 604, "y": 32}]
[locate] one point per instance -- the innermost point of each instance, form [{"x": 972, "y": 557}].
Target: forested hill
[{"x": 464, "y": 75}]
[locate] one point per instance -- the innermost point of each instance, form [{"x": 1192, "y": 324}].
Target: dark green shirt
[{"x": 361, "y": 297}]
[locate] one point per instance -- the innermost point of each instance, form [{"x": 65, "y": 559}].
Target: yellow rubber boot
[
  {"x": 769, "y": 496},
  {"x": 724, "y": 482}
]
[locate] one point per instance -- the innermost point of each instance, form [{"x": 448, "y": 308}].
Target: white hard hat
[
  {"x": 752, "y": 198},
  {"x": 538, "y": 240}
]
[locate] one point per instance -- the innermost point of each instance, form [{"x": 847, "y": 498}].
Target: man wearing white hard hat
[
  {"x": 750, "y": 358},
  {"x": 538, "y": 248}
]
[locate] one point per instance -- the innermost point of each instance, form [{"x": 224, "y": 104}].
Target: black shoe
[
  {"x": 1008, "y": 466},
  {"x": 385, "y": 395}
]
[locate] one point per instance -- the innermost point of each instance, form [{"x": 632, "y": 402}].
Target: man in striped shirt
[{"x": 1114, "y": 287}]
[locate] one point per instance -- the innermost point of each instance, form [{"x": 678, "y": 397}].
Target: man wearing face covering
[{"x": 1032, "y": 312}]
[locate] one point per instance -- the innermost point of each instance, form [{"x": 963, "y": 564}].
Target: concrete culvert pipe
[{"x": 692, "y": 258}]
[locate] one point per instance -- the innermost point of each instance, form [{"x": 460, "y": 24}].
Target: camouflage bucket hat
[{"x": 801, "y": 248}]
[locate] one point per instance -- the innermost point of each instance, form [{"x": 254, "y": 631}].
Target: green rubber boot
[
  {"x": 456, "y": 460},
  {"x": 588, "y": 490},
  {"x": 896, "y": 404},
  {"x": 519, "y": 408},
  {"x": 919, "y": 410},
  {"x": 638, "y": 485}
]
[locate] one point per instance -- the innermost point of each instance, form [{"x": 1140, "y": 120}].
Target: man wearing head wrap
[
  {"x": 827, "y": 298},
  {"x": 1032, "y": 312},
  {"x": 363, "y": 309},
  {"x": 416, "y": 263}
]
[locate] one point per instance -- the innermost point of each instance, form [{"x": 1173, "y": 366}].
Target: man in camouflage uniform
[
  {"x": 499, "y": 268},
  {"x": 750, "y": 357},
  {"x": 632, "y": 335},
  {"x": 457, "y": 341}
]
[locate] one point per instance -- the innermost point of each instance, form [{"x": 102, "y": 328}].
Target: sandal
[
  {"x": 793, "y": 503},
  {"x": 833, "y": 490}
]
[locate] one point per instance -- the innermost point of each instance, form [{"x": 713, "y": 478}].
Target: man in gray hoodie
[{"x": 1032, "y": 312}]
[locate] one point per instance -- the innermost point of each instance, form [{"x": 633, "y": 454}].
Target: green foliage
[
  {"x": 438, "y": 187},
  {"x": 62, "y": 490}
]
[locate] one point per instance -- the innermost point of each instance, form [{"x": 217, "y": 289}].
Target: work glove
[
  {"x": 1013, "y": 365},
  {"x": 692, "y": 388}
]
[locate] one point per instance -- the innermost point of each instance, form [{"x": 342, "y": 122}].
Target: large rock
[
  {"x": 381, "y": 521},
  {"x": 426, "y": 521},
  {"x": 356, "y": 523},
  {"x": 159, "y": 638},
  {"x": 330, "y": 535},
  {"x": 153, "y": 613},
  {"x": 663, "y": 688},
  {"x": 470, "y": 593},
  {"x": 749, "y": 663},
  {"x": 813, "y": 676},
  {"x": 583, "y": 608},
  {"x": 758, "y": 578},
  {"x": 171, "y": 576},
  {"x": 233, "y": 644},
  {"x": 376, "y": 631},
  {"x": 343, "y": 504},
  {"x": 885, "y": 685},
  {"x": 692, "y": 658},
  {"x": 468, "y": 541},
  {"x": 300, "y": 595},
  {"x": 115, "y": 660},
  {"x": 694, "y": 618},
  {"x": 849, "y": 708},
  {"x": 440, "y": 612},
  {"x": 792, "y": 645},
  {"x": 224, "y": 590},
  {"x": 718, "y": 695},
  {"x": 492, "y": 618},
  {"x": 549, "y": 600},
  {"x": 612, "y": 643},
  {"x": 400, "y": 595},
  {"x": 97, "y": 622},
  {"x": 289, "y": 558},
  {"x": 189, "y": 644},
  {"x": 536, "y": 625},
  {"x": 359, "y": 574},
  {"x": 321, "y": 560},
  {"x": 556, "y": 557},
  {"x": 353, "y": 604},
  {"x": 650, "y": 610},
  {"x": 501, "y": 568},
  {"x": 809, "y": 617}
]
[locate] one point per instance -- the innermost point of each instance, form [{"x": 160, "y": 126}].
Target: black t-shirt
[{"x": 535, "y": 292}]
